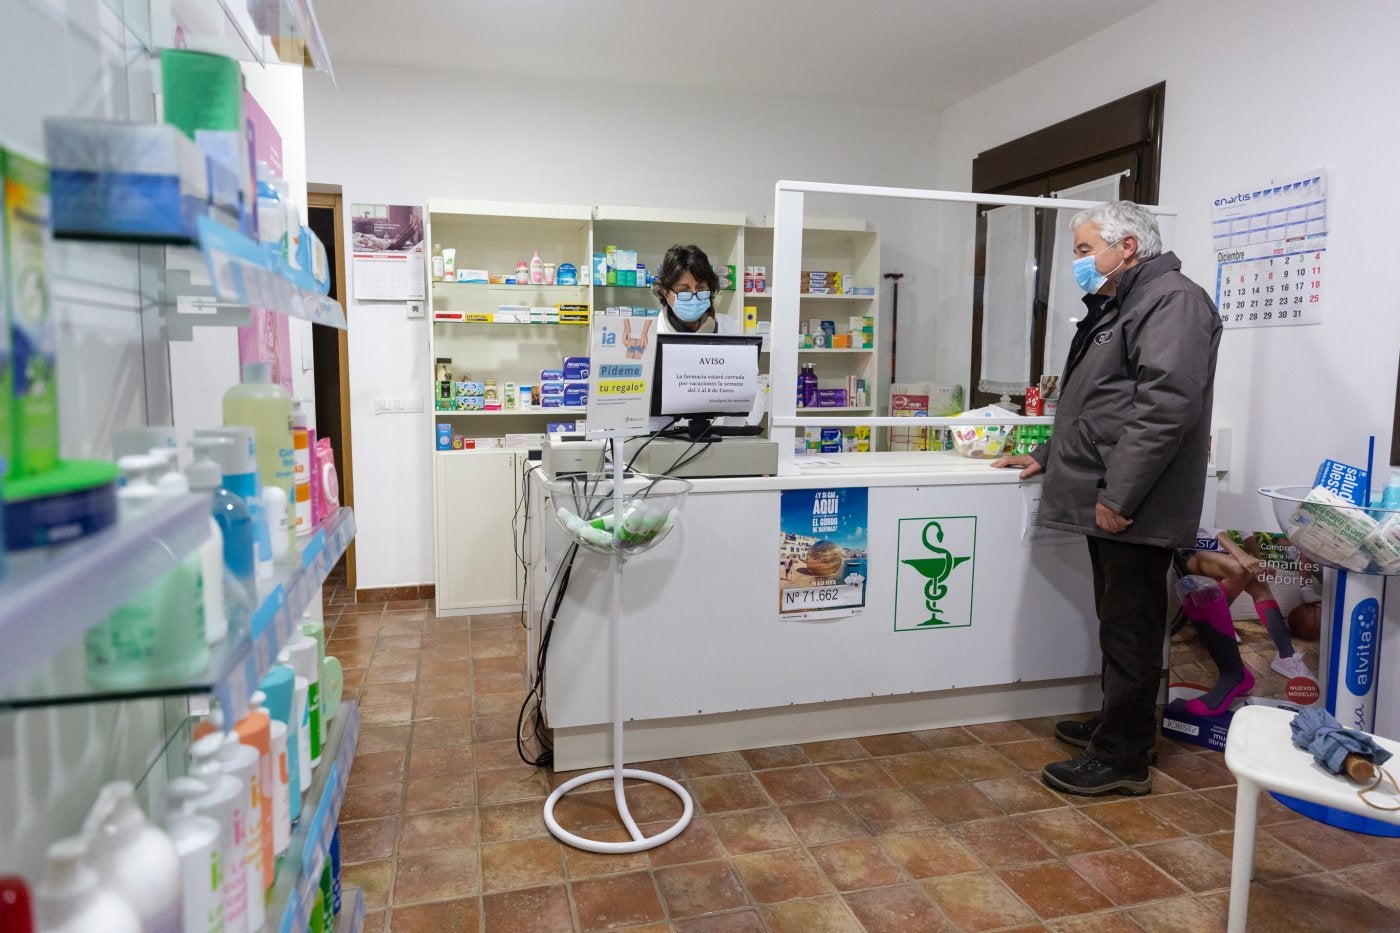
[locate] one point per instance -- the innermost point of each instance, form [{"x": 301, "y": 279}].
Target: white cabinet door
[{"x": 475, "y": 493}]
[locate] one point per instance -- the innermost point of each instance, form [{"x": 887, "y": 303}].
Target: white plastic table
[{"x": 1260, "y": 752}]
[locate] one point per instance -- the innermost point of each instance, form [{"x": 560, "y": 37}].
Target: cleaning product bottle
[
  {"x": 301, "y": 473},
  {"x": 255, "y": 731},
  {"x": 235, "y": 524},
  {"x": 279, "y": 685},
  {"x": 301, "y": 654},
  {"x": 211, "y": 552},
  {"x": 70, "y": 899},
  {"x": 135, "y": 860},
  {"x": 240, "y": 762},
  {"x": 267, "y": 407},
  {"x": 536, "y": 269},
  {"x": 197, "y": 842},
  {"x": 16, "y": 915},
  {"x": 239, "y": 462},
  {"x": 281, "y": 788},
  {"x": 216, "y": 795},
  {"x": 157, "y": 637},
  {"x": 437, "y": 262}
]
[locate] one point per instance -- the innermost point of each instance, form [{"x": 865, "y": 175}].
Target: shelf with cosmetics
[{"x": 44, "y": 612}]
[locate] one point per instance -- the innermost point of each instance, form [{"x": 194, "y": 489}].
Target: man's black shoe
[
  {"x": 1090, "y": 777},
  {"x": 1078, "y": 732}
]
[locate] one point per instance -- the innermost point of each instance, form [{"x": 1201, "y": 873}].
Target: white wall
[
  {"x": 1255, "y": 89},
  {"x": 402, "y": 136}
]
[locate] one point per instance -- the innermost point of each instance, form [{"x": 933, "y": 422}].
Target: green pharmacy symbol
[{"x": 936, "y": 569}]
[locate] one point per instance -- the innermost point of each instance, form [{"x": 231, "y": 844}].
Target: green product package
[
  {"x": 30, "y": 378},
  {"x": 6, "y": 372},
  {"x": 201, "y": 91}
]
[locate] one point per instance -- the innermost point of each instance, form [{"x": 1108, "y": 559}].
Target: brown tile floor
[{"x": 947, "y": 829}]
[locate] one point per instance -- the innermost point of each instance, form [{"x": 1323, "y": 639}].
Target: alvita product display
[
  {"x": 197, "y": 843},
  {"x": 135, "y": 860},
  {"x": 240, "y": 762},
  {"x": 267, "y": 408},
  {"x": 255, "y": 731},
  {"x": 210, "y": 792},
  {"x": 70, "y": 898},
  {"x": 281, "y": 788}
]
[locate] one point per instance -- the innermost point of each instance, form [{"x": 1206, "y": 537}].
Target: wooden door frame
[{"x": 333, "y": 202}]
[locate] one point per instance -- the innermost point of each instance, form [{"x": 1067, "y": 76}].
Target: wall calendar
[{"x": 1270, "y": 246}]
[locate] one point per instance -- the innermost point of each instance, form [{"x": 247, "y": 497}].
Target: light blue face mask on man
[
  {"x": 692, "y": 307},
  {"x": 1087, "y": 274}
]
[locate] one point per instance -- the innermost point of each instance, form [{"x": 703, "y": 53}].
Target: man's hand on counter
[{"x": 1027, "y": 464}]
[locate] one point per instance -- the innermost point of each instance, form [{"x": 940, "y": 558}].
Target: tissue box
[
  {"x": 138, "y": 181},
  {"x": 575, "y": 368}
]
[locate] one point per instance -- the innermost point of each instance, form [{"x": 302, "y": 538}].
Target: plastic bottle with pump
[
  {"x": 536, "y": 269},
  {"x": 157, "y": 637},
  {"x": 437, "y": 262},
  {"x": 71, "y": 899},
  {"x": 238, "y": 460},
  {"x": 240, "y": 762},
  {"x": 135, "y": 860},
  {"x": 301, "y": 472},
  {"x": 217, "y": 795},
  {"x": 235, "y": 524},
  {"x": 266, "y": 406},
  {"x": 173, "y": 483},
  {"x": 198, "y": 844}
]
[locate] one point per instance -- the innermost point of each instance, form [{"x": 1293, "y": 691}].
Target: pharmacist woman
[{"x": 687, "y": 286}]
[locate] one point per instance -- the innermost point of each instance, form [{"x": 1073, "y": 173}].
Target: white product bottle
[
  {"x": 536, "y": 269},
  {"x": 281, "y": 790},
  {"x": 240, "y": 762},
  {"x": 303, "y": 656},
  {"x": 216, "y": 794},
  {"x": 173, "y": 483},
  {"x": 302, "y": 714},
  {"x": 197, "y": 841},
  {"x": 437, "y": 262},
  {"x": 279, "y": 523},
  {"x": 71, "y": 899},
  {"x": 135, "y": 860}
]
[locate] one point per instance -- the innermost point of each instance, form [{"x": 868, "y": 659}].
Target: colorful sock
[
  {"x": 1225, "y": 652},
  {"x": 1272, "y": 618}
]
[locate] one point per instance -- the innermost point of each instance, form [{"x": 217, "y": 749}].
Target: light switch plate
[{"x": 415, "y": 309}]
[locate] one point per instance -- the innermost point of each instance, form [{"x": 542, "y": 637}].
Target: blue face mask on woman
[
  {"x": 1087, "y": 274},
  {"x": 691, "y": 306}
]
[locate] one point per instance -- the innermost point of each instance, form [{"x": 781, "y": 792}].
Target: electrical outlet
[{"x": 415, "y": 309}]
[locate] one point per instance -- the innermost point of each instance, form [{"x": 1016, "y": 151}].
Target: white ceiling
[{"x": 919, "y": 54}]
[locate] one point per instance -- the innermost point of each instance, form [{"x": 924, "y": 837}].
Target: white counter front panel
[{"x": 702, "y": 633}]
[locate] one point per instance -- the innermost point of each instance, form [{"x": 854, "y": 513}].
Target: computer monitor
[{"x": 703, "y": 377}]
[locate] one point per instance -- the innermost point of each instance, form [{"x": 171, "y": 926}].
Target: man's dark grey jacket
[{"x": 1133, "y": 425}]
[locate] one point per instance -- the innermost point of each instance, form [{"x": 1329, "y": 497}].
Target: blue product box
[
  {"x": 444, "y": 437},
  {"x": 551, "y": 388},
  {"x": 552, "y": 401},
  {"x": 576, "y": 394},
  {"x": 551, "y": 375},
  {"x": 139, "y": 181},
  {"x": 575, "y": 368},
  {"x": 600, "y": 269},
  {"x": 1347, "y": 482},
  {"x": 559, "y": 427},
  {"x": 468, "y": 387}
]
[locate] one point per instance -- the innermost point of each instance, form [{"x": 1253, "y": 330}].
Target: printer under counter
[{"x": 731, "y": 456}]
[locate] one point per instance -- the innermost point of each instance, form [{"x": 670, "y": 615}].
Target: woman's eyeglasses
[{"x": 686, "y": 296}]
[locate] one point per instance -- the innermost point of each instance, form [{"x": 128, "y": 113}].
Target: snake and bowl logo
[{"x": 933, "y": 588}]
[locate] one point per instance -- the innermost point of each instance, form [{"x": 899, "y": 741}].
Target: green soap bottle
[{"x": 267, "y": 408}]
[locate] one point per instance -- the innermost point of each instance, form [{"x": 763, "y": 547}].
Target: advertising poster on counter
[
  {"x": 1277, "y": 624},
  {"x": 822, "y": 547},
  {"x": 937, "y": 557},
  {"x": 622, "y": 353}
]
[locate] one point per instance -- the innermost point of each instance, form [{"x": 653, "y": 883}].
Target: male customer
[{"x": 1126, "y": 466}]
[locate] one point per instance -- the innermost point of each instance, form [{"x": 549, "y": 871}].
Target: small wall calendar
[{"x": 1270, "y": 245}]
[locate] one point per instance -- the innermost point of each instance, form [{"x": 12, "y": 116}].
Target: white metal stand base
[
  {"x": 617, "y": 773},
  {"x": 639, "y": 842}
]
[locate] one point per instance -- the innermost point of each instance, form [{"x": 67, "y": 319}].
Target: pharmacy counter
[{"x": 712, "y": 663}]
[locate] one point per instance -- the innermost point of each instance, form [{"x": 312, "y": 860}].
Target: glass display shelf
[
  {"x": 262, "y": 31},
  {"x": 578, "y": 293},
  {"x": 806, "y": 296},
  {"x": 299, "y": 868},
  {"x": 50, "y": 596},
  {"x": 488, "y": 319},
  {"x": 235, "y": 665}
]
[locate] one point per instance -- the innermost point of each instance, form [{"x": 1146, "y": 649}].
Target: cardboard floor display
[{"x": 1296, "y": 586}]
